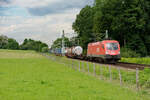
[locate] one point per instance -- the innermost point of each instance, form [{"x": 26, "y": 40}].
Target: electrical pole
[
  {"x": 106, "y": 34},
  {"x": 63, "y": 43}
]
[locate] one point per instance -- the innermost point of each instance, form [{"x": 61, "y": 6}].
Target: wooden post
[
  {"x": 76, "y": 65},
  {"x": 120, "y": 77},
  {"x": 68, "y": 63},
  {"x": 94, "y": 69},
  {"x": 110, "y": 73},
  {"x": 72, "y": 63},
  {"x": 88, "y": 67},
  {"x": 83, "y": 66},
  {"x": 137, "y": 79},
  {"x": 101, "y": 74},
  {"x": 79, "y": 65}
]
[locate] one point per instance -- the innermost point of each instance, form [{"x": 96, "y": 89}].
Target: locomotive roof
[
  {"x": 104, "y": 41},
  {"x": 109, "y": 41}
]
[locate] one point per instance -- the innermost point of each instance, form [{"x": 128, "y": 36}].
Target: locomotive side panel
[{"x": 95, "y": 49}]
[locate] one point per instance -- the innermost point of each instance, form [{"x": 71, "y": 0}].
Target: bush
[
  {"x": 45, "y": 49},
  {"x": 30, "y": 44},
  {"x": 127, "y": 53}
]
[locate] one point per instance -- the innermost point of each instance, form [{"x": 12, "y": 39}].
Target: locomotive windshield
[{"x": 112, "y": 46}]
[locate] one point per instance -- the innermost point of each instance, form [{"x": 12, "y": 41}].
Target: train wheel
[{"x": 100, "y": 60}]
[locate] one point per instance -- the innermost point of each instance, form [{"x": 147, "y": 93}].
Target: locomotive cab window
[{"x": 112, "y": 46}]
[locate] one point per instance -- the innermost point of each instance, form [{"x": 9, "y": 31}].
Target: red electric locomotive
[{"x": 107, "y": 51}]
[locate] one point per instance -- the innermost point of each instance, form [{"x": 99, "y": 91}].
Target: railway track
[
  {"x": 123, "y": 65},
  {"x": 132, "y": 65}
]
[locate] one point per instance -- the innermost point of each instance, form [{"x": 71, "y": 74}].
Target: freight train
[
  {"x": 106, "y": 51},
  {"x": 56, "y": 51},
  {"x": 74, "y": 52}
]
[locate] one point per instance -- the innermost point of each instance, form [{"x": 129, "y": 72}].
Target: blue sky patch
[{"x": 13, "y": 11}]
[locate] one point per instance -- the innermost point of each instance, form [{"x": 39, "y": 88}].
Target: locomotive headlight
[
  {"x": 107, "y": 52},
  {"x": 119, "y": 52}
]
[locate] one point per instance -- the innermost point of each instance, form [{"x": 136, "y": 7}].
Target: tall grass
[
  {"x": 128, "y": 75},
  {"x": 137, "y": 60},
  {"x": 39, "y": 78}
]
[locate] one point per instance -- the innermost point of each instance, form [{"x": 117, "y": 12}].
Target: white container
[{"x": 78, "y": 50}]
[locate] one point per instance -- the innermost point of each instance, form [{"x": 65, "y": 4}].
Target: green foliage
[
  {"x": 83, "y": 25},
  {"x": 128, "y": 53},
  {"x": 30, "y": 44},
  {"x": 137, "y": 45},
  {"x": 58, "y": 43},
  {"x": 8, "y": 43},
  {"x": 3, "y": 42},
  {"x": 45, "y": 49},
  {"x": 12, "y": 44},
  {"x": 127, "y": 21}
]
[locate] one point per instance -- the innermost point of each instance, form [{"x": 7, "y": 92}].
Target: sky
[{"x": 39, "y": 19}]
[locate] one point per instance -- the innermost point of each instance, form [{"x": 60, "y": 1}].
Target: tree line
[
  {"x": 28, "y": 44},
  {"x": 126, "y": 20}
]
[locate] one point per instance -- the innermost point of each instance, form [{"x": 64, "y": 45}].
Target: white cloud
[
  {"x": 53, "y": 17},
  {"x": 43, "y": 7},
  {"x": 44, "y": 28},
  {"x": 26, "y": 3},
  {"x": 42, "y": 3},
  {"x": 32, "y": 3}
]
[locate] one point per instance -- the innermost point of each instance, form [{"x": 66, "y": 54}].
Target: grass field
[
  {"x": 137, "y": 60},
  {"x": 128, "y": 76},
  {"x": 30, "y": 76}
]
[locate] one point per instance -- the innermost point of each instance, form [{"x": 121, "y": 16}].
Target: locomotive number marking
[{"x": 98, "y": 50}]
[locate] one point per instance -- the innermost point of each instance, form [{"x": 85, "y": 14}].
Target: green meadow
[
  {"x": 145, "y": 60},
  {"x": 27, "y": 75}
]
